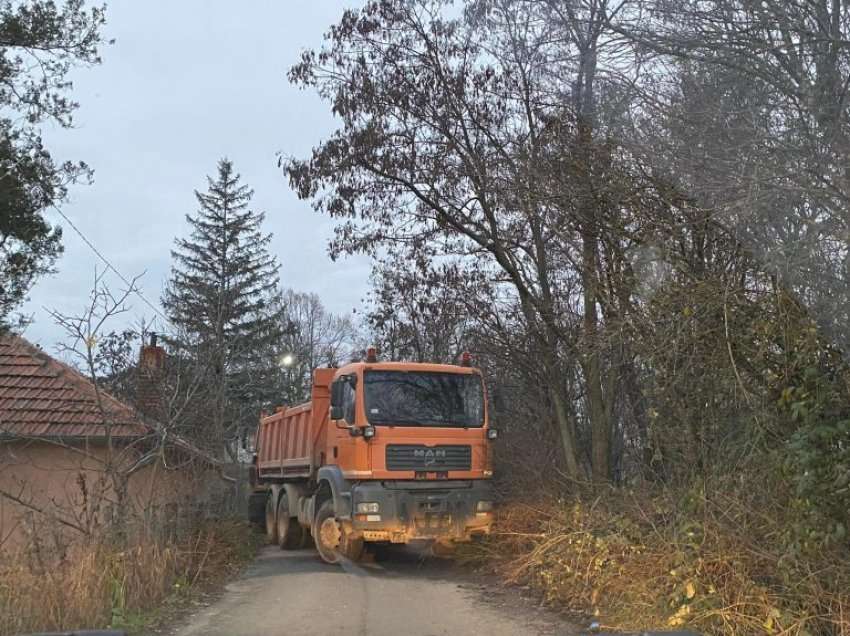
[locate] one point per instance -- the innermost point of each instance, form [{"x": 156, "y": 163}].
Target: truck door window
[{"x": 348, "y": 402}]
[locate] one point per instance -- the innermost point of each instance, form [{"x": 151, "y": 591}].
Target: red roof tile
[{"x": 42, "y": 397}]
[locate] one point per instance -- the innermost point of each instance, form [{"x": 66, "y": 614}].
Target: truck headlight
[
  {"x": 369, "y": 507},
  {"x": 484, "y": 506}
]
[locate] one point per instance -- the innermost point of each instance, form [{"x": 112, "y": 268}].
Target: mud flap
[{"x": 257, "y": 507}]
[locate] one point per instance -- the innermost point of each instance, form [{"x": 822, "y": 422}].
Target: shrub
[
  {"x": 103, "y": 583},
  {"x": 715, "y": 558}
]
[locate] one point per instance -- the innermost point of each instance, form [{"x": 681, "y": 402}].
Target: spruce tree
[{"x": 223, "y": 299}]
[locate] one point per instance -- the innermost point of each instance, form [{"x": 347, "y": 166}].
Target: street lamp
[{"x": 286, "y": 361}]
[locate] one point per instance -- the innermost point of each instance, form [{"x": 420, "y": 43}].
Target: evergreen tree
[{"x": 223, "y": 299}]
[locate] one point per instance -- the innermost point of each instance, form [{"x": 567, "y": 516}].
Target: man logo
[{"x": 430, "y": 456}]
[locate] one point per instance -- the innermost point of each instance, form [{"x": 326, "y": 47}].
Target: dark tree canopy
[{"x": 40, "y": 43}]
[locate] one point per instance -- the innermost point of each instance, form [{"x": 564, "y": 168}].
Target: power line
[{"x": 109, "y": 265}]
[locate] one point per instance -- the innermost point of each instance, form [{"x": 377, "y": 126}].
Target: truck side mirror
[
  {"x": 336, "y": 395},
  {"x": 338, "y": 399}
]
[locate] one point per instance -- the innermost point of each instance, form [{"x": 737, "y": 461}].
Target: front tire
[{"x": 331, "y": 541}]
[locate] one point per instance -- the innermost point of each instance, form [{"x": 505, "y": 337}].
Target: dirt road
[{"x": 293, "y": 593}]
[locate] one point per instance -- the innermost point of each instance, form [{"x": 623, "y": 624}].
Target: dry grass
[
  {"x": 717, "y": 564},
  {"x": 100, "y": 584}
]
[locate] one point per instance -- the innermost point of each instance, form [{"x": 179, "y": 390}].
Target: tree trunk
[
  {"x": 565, "y": 428},
  {"x": 592, "y": 368}
]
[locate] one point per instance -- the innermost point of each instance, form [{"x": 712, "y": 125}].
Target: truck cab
[
  {"x": 412, "y": 440},
  {"x": 397, "y": 452}
]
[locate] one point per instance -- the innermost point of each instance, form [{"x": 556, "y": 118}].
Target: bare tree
[
  {"x": 419, "y": 309},
  {"x": 753, "y": 121},
  {"x": 122, "y": 441},
  {"x": 312, "y": 337},
  {"x": 115, "y": 453},
  {"x": 481, "y": 137}
]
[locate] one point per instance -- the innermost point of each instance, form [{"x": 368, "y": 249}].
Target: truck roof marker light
[
  {"x": 466, "y": 359},
  {"x": 371, "y": 354}
]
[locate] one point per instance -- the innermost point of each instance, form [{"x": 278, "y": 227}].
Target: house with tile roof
[{"x": 71, "y": 454}]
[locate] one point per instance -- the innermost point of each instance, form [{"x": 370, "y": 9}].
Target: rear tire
[
  {"x": 290, "y": 534},
  {"x": 271, "y": 522}
]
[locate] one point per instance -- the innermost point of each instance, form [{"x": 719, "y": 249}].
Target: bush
[
  {"x": 715, "y": 558},
  {"x": 106, "y": 584}
]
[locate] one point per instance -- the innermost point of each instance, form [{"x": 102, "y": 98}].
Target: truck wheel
[
  {"x": 331, "y": 541},
  {"x": 271, "y": 522},
  {"x": 290, "y": 534},
  {"x": 353, "y": 549}
]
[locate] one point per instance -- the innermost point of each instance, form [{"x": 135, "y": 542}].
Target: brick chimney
[{"x": 149, "y": 382}]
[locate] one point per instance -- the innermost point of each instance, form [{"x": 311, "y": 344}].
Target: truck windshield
[{"x": 423, "y": 399}]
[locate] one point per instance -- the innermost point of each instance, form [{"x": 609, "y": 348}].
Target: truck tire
[
  {"x": 332, "y": 543},
  {"x": 271, "y": 522},
  {"x": 290, "y": 534}
]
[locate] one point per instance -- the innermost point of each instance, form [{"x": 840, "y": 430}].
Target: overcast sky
[{"x": 184, "y": 84}]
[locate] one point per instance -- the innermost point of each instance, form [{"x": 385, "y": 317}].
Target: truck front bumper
[{"x": 412, "y": 510}]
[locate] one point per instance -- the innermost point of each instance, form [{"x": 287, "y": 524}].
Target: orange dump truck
[{"x": 384, "y": 452}]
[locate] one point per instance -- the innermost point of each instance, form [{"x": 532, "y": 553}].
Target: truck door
[{"x": 347, "y": 450}]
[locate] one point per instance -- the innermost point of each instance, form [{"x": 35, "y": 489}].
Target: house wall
[{"x": 56, "y": 482}]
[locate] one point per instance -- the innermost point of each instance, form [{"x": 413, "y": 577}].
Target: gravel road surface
[{"x": 293, "y": 593}]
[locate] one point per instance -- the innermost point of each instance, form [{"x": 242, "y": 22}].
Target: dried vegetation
[
  {"x": 116, "y": 584},
  {"x": 712, "y": 559}
]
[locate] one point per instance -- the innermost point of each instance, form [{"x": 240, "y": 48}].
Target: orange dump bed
[{"x": 290, "y": 440}]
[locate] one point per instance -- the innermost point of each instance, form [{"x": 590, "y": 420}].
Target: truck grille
[{"x": 419, "y": 457}]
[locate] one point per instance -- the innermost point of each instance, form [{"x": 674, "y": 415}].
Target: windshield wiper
[
  {"x": 407, "y": 421},
  {"x": 395, "y": 421},
  {"x": 451, "y": 423}
]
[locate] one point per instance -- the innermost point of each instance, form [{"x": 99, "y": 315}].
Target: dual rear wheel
[
  {"x": 291, "y": 535},
  {"x": 283, "y": 529}
]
